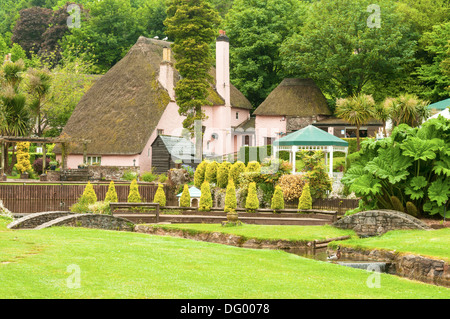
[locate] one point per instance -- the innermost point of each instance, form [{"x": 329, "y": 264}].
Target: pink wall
[
  {"x": 268, "y": 126},
  {"x": 107, "y": 160}
]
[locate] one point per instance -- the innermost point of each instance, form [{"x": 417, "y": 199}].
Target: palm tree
[
  {"x": 356, "y": 110},
  {"x": 39, "y": 83},
  {"x": 408, "y": 109},
  {"x": 381, "y": 113}
]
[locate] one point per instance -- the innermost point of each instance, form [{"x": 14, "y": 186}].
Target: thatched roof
[
  {"x": 121, "y": 110},
  {"x": 295, "y": 97}
]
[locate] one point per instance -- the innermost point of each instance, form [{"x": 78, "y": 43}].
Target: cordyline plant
[{"x": 408, "y": 171}]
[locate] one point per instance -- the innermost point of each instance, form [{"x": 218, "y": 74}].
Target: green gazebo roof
[
  {"x": 441, "y": 105},
  {"x": 310, "y": 136}
]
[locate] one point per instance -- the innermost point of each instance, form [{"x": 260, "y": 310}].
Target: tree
[
  {"x": 407, "y": 109},
  {"x": 305, "y": 200},
  {"x": 236, "y": 169},
  {"x": 39, "y": 84},
  {"x": 205, "y": 203},
  {"x": 30, "y": 27},
  {"x": 230, "y": 197},
  {"x": 23, "y": 157},
  {"x": 277, "y": 202},
  {"x": 256, "y": 29},
  {"x": 199, "y": 175},
  {"x": 185, "y": 199},
  {"x": 160, "y": 196},
  {"x": 191, "y": 24},
  {"x": 111, "y": 194},
  {"x": 343, "y": 53},
  {"x": 252, "y": 201},
  {"x": 134, "y": 196},
  {"x": 211, "y": 172},
  {"x": 356, "y": 110},
  {"x": 89, "y": 194},
  {"x": 432, "y": 75},
  {"x": 223, "y": 172}
]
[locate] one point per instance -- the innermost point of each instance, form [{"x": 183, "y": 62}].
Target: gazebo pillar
[
  {"x": 294, "y": 156},
  {"x": 330, "y": 150}
]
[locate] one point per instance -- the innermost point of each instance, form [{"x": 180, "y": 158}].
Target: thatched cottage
[
  {"x": 134, "y": 102},
  {"x": 292, "y": 105}
]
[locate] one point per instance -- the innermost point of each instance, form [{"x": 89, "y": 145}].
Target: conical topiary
[
  {"x": 160, "y": 196},
  {"x": 89, "y": 194},
  {"x": 397, "y": 204},
  {"x": 185, "y": 199},
  {"x": 111, "y": 194},
  {"x": 252, "y": 201},
  {"x": 230, "y": 197},
  {"x": 199, "y": 174},
  {"x": 223, "y": 172},
  {"x": 236, "y": 169},
  {"x": 134, "y": 196},
  {"x": 305, "y": 200},
  {"x": 411, "y": 209},
  {"x": 211, "y": 172},
  {"x": 277, "y": 199},
  {"x": 205, "y": 203},
  {"x": 253, "y": 166}
]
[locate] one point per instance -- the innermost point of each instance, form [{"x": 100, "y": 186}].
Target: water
[{"x": 321, "y": 255}]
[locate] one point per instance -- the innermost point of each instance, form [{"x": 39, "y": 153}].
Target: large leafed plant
[{"x": 408, "y": 171}]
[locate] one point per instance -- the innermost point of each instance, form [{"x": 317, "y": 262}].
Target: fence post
[{"x": 157, "y": 213}]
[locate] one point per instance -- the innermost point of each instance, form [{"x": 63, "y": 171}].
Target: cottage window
[
  {"x": 160, "y": 131},
  {"x": 237, "y": 115},
  {"x": 90, "y": 160}
]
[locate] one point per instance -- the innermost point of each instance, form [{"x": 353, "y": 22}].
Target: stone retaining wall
[
  {"x": 110, "y": 172},
  {"x": 91, "y": 221},
  {"x": 34, "y": 220},
  {"x": 377, "y": 222},
  {"x": 426, "y": 269}
]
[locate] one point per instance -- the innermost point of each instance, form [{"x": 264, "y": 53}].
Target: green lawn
[
  {"x": 267, "y": 232},
  {"x": 37, "y": 264},
  {"x": 433, "y": 243}
]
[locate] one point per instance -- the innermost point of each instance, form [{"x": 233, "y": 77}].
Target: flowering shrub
[{"x": 292, "y": 186}]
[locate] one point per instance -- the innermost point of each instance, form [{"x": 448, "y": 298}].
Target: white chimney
[
  {"x": 223, "y": 67},
  {"x": 166, "y": 73}
]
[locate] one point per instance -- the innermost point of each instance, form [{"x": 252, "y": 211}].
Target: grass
[
  {"x": 432, "y": 243},
  {"x": 267, "y": 232},
  {"x": 38, "y": 264}
]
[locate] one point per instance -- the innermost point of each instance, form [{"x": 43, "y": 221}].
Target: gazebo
[{"x": 310, "y": 138}]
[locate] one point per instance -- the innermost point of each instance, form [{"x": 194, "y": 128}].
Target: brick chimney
[
  {"x": 166, "y": 73},
  {"x": 223, "y": 67}
]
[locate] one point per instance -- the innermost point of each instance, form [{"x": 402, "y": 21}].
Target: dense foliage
[{"x": 408, "y": 171}]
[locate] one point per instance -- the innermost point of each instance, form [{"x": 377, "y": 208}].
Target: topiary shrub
[
  {"x": 89, "y": 193},
  {"x": 411, "y": 209},
  {"x": 111, "y": 194},
  {"x": 160, "y": 196},
  {"x": 134, "y": 196},
  {"x": 87, "y": 198},
  {"x": 252, "y": 202},
  {"x": 230, "y": 197},
  {"x": 185, "y": 199},
  {"x": 253, "y": 166},
  {"x": 23, "y": 157},
  {"x": 37, "y": 165},
  {"x": 277, "y": 199},
  {"x": 205, "y": 203},
  {"x": 199, "y": 175},
  {"x": 236, "y": 169},
  {"x": 223, "y": 172},
  {"x": 292, "y": 186},
  {"x": 305, "y": 201},
  {"x": 211, "y": 172},
  {"x": 397, "y": 204}
]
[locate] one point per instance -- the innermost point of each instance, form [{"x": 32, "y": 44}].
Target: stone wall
[
  {"x": 377, "y": 222},
  {"x": 34, "y": 220},
  {"x": 91, "y": 221},
  {"x": 110, "y": 172},
  {"x": 426, "y": 269}
]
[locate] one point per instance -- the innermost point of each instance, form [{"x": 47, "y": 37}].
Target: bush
[
  {"x": 253, "y": 167},
  {"x": 222, "y": 174},
  {"x": 37, "y": 165},
  {"x": 277, "y": 199},
  {"x": 148, "y": 177},
  {"x": 162, "y": 178},
  {"x": 23, "y": 157},
  {"x": 134, "y": 196},
  {"x": 89, "y": 193},
  {"x": 129, "y": 175},
  {"x": 160, "y": 196},
  {"x": 100, "y": 208},
  {"x": 252, "y": 202},
  {"x": 211, "y": 172},
  {"x": 230, "y": 197},
  {"x": 199, "y": 175},
  {"x": 111, "y": 194},
  {"x": 87, "y": 198},
  {"x": 305, "y": 201},
  {"x": 292, "y": 186},
  {"x": 185, "y": 199},
  {"x": 205, "y": 203},
  {"x": 236, "y": 169}
]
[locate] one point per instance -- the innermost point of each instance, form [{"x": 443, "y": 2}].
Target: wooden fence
[{"x": 41, "y": 197}]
